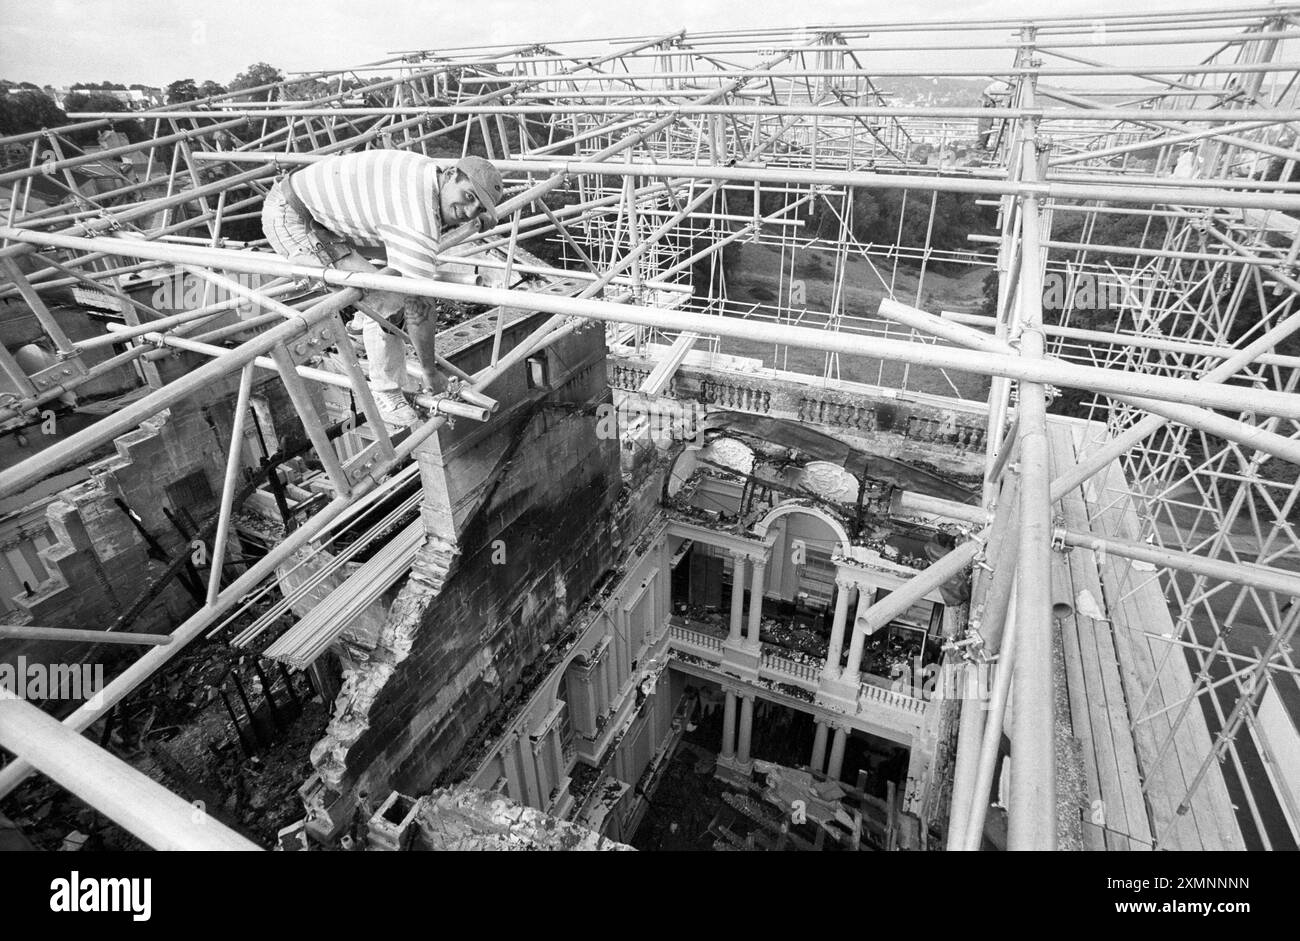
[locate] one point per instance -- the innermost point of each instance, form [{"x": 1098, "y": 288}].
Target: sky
[{"x": 153, "y": 42}]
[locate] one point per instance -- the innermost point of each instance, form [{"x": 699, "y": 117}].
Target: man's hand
[
  {"x": 381, "y": 303},
  {"x": 435, "y": 381},
  {"x": 422, "y": 327}
]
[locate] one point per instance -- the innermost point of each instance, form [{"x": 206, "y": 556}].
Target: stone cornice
[{"x": 738, "y": 544}]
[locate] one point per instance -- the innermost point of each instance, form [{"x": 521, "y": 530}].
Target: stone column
[
  {"x": 837, "y": 754},
  {"x": 729, "y": 726},
  {"x": 557, "y": 751},
  {"x": 612, "y": 679},
  {"x": 514, "y": 770},
  {"x": 818, "y": 762},
  {"x": 589, "y": 686},
  {"x": 854, "y": 666},
  {"x": 532, "y": 774},
  {"x": 756, "y": 603},
  {"x": 746, "y": 728},
  {"x": 663, "y": 592},
  {"x": 737, "y": 595},
  {"x": 544, "y": 782},
  {"x": 622, "y": 647},
  {"x": 832, "y": 667},
  {"x": 604, "y": 695}
]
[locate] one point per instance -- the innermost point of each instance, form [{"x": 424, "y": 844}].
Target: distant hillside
[
  {"x": 957, "y": 92},
  {"x": 966, "y": 92}
]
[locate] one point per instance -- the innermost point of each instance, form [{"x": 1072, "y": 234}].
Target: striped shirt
[{"x": 385, "y": 198}]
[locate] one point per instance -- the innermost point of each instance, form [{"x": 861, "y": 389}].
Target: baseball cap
[{"x": 486, "y": 180}]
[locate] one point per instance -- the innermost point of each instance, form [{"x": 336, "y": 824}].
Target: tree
[
  {"x": 98, "y": 101},
  {"x": 28, "y": 110},
  {"x": 257, "y": 74},
  {"x": 91, "y": 101},
  {"x": 183, "y": 89},
  {"x": 307, "y": 90},
  {"x": 889, "y": 216},
  {"x": 210, "y": 88},
  {"x": 352, "y": 84},
  {"x": 989, "y": 304}
]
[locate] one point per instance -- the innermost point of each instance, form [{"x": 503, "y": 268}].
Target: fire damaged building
[{"x": 823, "y": 464}]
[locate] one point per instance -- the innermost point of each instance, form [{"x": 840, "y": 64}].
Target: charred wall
[
  {"x": 100, "y": 562},
  {"x": 525, "y": 504}
]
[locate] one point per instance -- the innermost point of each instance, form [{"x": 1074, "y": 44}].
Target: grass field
[{"x": 755, "y": 279}]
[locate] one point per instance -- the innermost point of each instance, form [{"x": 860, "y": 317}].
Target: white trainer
[{"x": 394, "y": 409}]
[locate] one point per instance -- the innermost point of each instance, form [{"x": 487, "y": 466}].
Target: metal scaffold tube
[
  {"x": 230, "y": 481},
  {"x": 1250, "y": 435},
  {"x": 126, "y": 418},
  {"x": 140, "y": 671},
  {"x": 1047, "y": 190},
  {"x": 994, "y": 719},
  {"x": 1186, "y": 391},
  {"x": 128, "y": 797},
  {"x": 732, "y": 205},
  {"x": 1031, "y": 815}
]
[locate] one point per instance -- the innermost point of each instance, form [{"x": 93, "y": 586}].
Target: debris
[
  {"x": 1086, "y": 605},
  {"x": 465, "y": 818},
  {"x": 293, "y": 838},
  {"x": 74, "y": 842}
]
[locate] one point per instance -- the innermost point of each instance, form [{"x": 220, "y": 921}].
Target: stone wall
[
  {"x": 99, "y": 560},
  {"x": 530, "y": 495}
]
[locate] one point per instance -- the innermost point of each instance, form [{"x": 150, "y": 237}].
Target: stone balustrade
[
  {"x": 807, "y": 672},
  {"x": 626, "y": 376},
  {"x": 690, "y": 638},
  {"x": 737, "y": 394},
  {"x": 943, "y": 432},
  {"x": 871, "y": 695}
]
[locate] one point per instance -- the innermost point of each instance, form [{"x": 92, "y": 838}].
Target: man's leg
[
  {"x": 386, "y": 356},
  {"x": 385, "y": 352},
  {"x": 286, "y": 231},
  {"x": 291, "y": 236}
]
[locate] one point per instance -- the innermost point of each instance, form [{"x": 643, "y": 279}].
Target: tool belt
[{"x": 330, "y": 246}]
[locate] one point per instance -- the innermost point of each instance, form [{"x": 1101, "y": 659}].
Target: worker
[
  {"x": 996, "y": 95},
  {"x": 395, "y": 200}
]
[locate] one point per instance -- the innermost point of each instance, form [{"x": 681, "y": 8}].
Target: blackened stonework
[
  {"x": 533, "y": 537},
  {"x": 565, "y": 550}
]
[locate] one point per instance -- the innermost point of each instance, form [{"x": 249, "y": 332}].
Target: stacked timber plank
[
  {"x": 1127, "y": 685},
  {"x": 1116, "y": 815}
]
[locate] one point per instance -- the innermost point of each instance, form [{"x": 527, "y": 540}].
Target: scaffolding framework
[{"x": 1149, "y": 157}]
